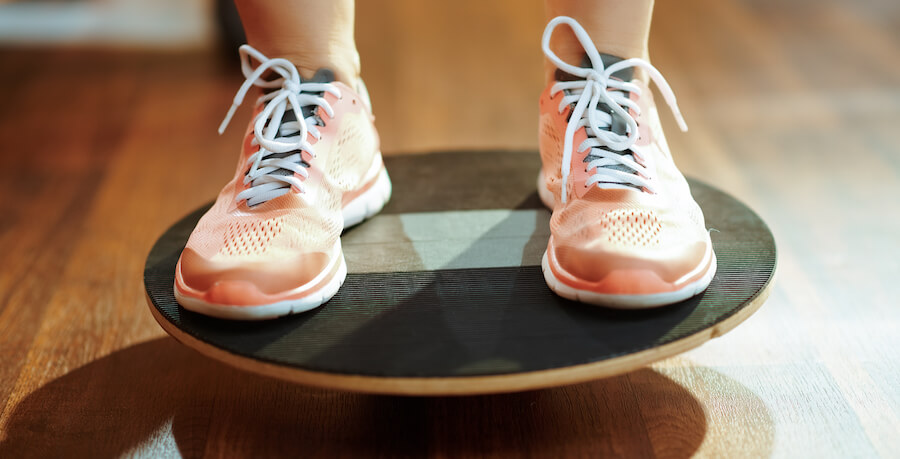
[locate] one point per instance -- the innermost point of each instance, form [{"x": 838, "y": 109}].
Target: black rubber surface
[{"x": 466, "y": 322}]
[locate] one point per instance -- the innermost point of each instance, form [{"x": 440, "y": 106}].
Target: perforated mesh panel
[
  {"x": 253, "y": 237},
  {"x": 632, "y": 228},
  {"x": 547, "y": 130},
  {"x": 351, "y": 155},
  {"x": 551, "y": 154}
]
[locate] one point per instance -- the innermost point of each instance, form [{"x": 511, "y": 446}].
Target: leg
[
  {"x": 311, "y": 34},
  {"x": 618, "y": 27}
]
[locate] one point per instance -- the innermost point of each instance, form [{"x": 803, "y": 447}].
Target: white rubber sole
[
  {"x": 355, "y": 212},
  {"x": 654, "y": 300},
  {"x": 369, "y": 203},
  {"x": 269, "y": 311}
]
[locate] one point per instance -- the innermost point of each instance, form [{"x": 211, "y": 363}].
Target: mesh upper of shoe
[
  {"x": 250, "y": 237},
  {"x": 356, "y": 143},
  {"x": 551, "y": 145},
  {"x": 631, "y": 224},
  {"x": 630, "y": 228},
  {"x": 625, "y": 226},
  {"x": 232, "y": 234}
]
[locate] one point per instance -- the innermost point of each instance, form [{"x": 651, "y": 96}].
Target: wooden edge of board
[{"x": 467, "y": 385}]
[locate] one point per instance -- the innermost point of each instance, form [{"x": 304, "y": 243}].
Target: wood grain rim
[{"x": 469, "y": 385}]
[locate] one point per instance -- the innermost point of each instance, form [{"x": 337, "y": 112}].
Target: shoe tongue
[
  {"x": 626, "y": 74},
  {"x": 619, "y": 126},
  {"x": 322, "y": 75}
]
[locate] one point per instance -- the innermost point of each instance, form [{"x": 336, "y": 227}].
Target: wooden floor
[{"x": 793, "y": 106}]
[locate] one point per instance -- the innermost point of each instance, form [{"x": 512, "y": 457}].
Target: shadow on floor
[{"x": 158, "y": 398}]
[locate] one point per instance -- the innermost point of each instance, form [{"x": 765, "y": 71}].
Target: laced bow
[
  {"x": 271, "y": 173},
  {"x": 588, "y": 93}
]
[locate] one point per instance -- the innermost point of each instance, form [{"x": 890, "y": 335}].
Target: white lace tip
[
  {"x": 227, "y": 118},
  {"x": 681, "y": 124}
]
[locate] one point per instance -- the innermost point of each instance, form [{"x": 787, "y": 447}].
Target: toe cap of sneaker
[
  {"x": 634, "y": 271},
  {"x": 228, "y": 281}
]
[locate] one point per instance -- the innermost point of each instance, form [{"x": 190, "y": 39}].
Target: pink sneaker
[
  {"x": 625, "y": 231},
  {"x": 310, "y": 166}
]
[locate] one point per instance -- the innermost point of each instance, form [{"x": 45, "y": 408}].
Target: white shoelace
[
  {"x": 273, "y": 135},
  {"x": 589, "y": 92}
]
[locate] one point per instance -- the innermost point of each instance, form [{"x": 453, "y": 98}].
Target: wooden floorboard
[{"x": 793, "y": 107}]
